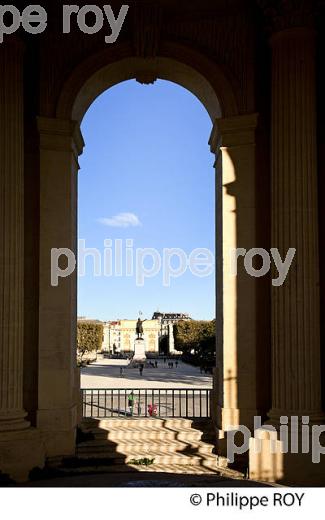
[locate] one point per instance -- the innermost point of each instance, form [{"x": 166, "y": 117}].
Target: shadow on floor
[{"x": 144, "y": 479}]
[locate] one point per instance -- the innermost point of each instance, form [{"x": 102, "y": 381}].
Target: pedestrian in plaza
[
  {"x": 131, "y": 400},
  {"x": 152, "y": 410},
  {"x": 141, "y": 370},
  {"x": 121, "y": 371},
  {"x": 156, "y": 364},
  {"x": 176, "y": 363}
]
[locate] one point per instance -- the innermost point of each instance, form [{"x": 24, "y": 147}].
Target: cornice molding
[
  {"x": 61, "y": 135},
  {"x": 233, "y": 131}
]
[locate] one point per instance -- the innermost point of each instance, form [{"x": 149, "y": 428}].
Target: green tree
[
  {"x": 196, "y": 339},
  {"x": 89, "y": 338}
]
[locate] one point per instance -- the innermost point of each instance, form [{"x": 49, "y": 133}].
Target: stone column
[
  {"x": 12, "y": 240},
  {"x": 296, "y": 375},
  {"x": 59, "y": 381},
  {"x": 295, "y": 305},
  {"x": 233, "y": 141},
  {"x": 171, "y": 342},
  {"x": 20, "y": 449}
]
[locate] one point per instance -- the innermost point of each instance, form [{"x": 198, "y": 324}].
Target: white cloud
[{"x": 121, "y": 220}]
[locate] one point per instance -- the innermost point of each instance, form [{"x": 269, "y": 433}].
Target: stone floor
[
  {"x": 105, "y": 373},
  {"x": 144, "y": 479}
]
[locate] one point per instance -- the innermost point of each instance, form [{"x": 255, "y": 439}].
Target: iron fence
[{"x": 143, "y": 402}]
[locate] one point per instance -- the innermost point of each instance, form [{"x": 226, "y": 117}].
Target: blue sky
[{"x": 146, "y": 175}]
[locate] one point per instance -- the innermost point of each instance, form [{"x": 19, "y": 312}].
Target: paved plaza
[{"x": 105, "y": 373}]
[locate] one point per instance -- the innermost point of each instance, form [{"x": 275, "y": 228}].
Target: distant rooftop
[
  {"x": 85, "y": 318},
  {"x": 171, "y": 315}
]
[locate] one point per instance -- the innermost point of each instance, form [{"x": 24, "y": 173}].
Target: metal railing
[{"x": 143, "y": 402}]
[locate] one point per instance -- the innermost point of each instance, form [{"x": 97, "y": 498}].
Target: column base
[
  {"x": 225, "y": 417},
  {"x": 58, "y": 430},
  {"x": 20, "y": 452},
  {"x": 13, "y": 421},
  {"x": 268, "y": 461},
  {"x": 315, "y": 417},
  {"x": 221, "y": 444}
]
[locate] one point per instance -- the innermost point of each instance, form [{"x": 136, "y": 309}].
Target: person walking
[
  {"x": 131, "y": 400},
  {"x": 176, "y": 363},
  {"x": 121, "y": 371},
  {"x": 141, "y": 369}
]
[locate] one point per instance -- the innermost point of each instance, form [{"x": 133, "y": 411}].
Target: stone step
[
  {"x": 146, "y": 436},
  {"x": 113, "y": 457},
  {"x": 93, "y": 465},
  {"x": 146, "y": 423},
  {"x": 144, "y": 428},
  {"x": 173, "y": 442},
  {"x": 141, "y": 428},
  {"x": 154, "y": 468},
  {"x": 151, "y": 448},
  {"x": 159, "y": 458},
  {"x": 170, "y": 442}
]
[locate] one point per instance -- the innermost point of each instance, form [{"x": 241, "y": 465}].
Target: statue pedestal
[{"x": 139, "y": 350}]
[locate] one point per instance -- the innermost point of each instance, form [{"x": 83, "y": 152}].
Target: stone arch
[
  {"x": 176, "y": 63},
  {"x": 233, "y": 142}
]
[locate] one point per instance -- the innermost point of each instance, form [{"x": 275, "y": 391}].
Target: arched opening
[
  {"x": 236, "y": 398},
  {"x": 146, "y": 189}
]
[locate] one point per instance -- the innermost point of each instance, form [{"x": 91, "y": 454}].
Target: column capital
[
  {"x": 281, "y": 15},
  {"x": 233, "y": 131},
  {"x": 306, "y": 35},
  {"x": 60, "y": 135}
]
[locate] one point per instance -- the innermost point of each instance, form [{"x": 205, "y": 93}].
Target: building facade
[
  {"x": 111, "y": 337},
  {"x": 167, "y": 320},
  {"x": 119, "y": 336}
]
